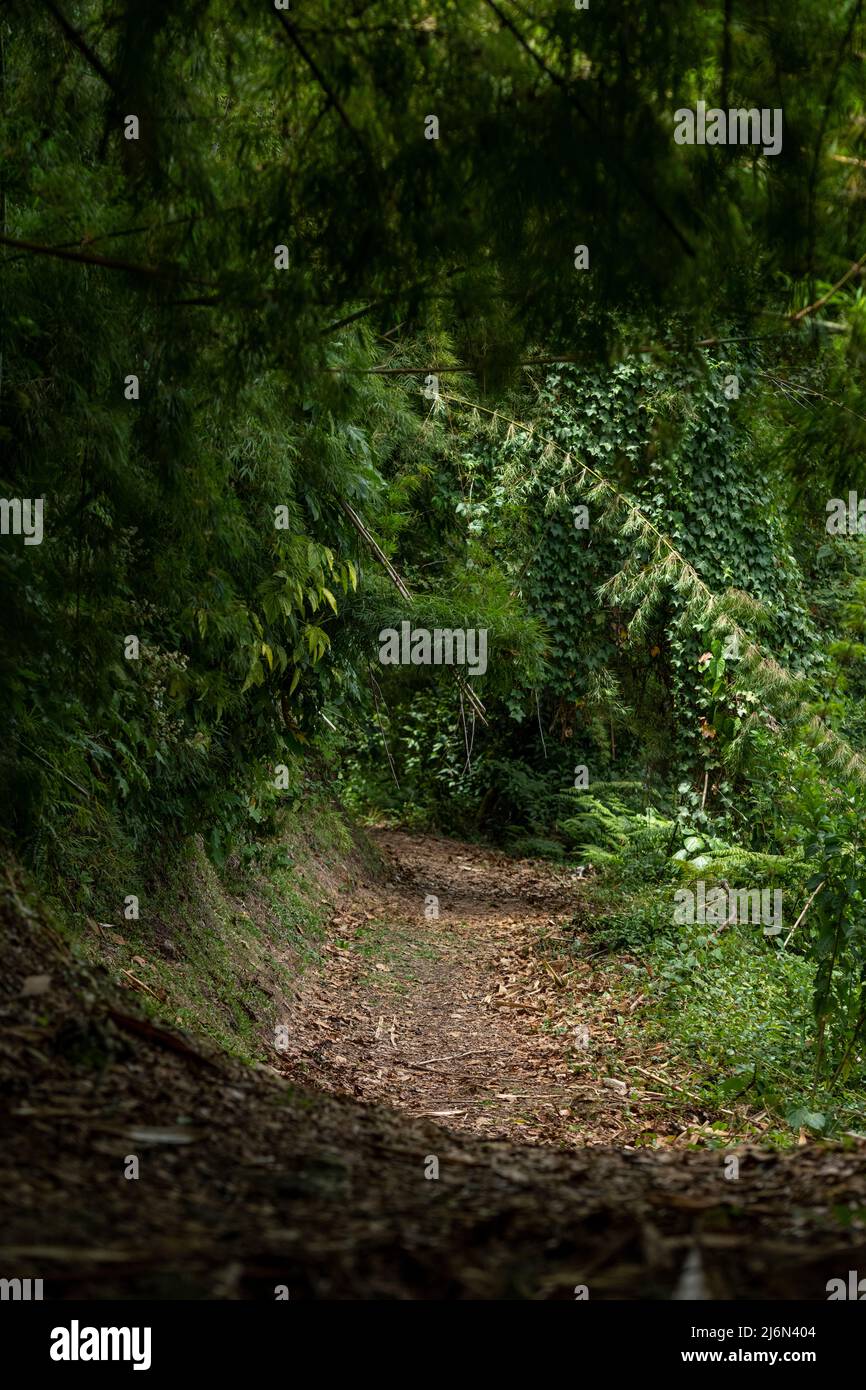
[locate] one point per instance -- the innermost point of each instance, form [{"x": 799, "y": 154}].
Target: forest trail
[
  {"x": 460, "y": 991},
  {"x": 247, "y": 1185}
]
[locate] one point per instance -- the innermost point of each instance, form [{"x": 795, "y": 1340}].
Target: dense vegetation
[{"x": 288, "y": 372}]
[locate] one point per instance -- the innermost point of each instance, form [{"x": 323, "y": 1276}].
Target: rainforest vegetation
[{"x": 324, "y": 318}]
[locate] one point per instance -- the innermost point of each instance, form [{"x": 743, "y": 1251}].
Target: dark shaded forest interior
[{"x": 432, "y": 649}]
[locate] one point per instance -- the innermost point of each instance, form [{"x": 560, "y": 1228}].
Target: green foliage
[
  {"x": 837, "y": 925},
  {"x": 739, "y": 1007},
  {"x": 281, "y": 488}
]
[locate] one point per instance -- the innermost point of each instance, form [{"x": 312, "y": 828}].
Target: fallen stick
[
  {"x": 490, "y": 1097},
  {"x": 140, "y": 983},
  {"x": 450, "y": 1056},
  {"x": 549, "y": 967}
]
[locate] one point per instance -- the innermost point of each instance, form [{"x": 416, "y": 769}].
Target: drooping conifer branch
[{"x": 641, "y": 588}]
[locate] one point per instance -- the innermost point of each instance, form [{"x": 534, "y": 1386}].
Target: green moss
[{"x": 220, "y": 950}]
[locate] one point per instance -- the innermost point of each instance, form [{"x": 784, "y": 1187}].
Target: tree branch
[
  {"x": 78, "y": 41},
  {"x": 104, "y": 262},
  {"x": 819, "y": 303},
  {"x": 311, "y": 63},
  {"x": 376, "y": 549}
]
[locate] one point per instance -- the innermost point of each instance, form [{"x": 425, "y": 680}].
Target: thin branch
[
  {"x": 540, "y": 729},
  {"x": 819, "y": 303},
  {"x": 549, "y": 360},
  {"x": 374, "y": 686},
  {"x": 376, "y": 549},
  {"x": 87, "y": 240},
  {"x": 450, "y": 1056},
  {"x": 205, "y": 300},
  {"x": 358, "y": 314},
  {"x": 78, "y": 41},
  {"x": 32, "y": 751},
  {"x": 476, "y": 704},
  {"x": 320, "y": 77},
  {"x": 618, "y": 496},
  {"x": 809, "y": 391},
  {"x": 104, "y": 262},
  {"x": 809, "y": 902},
  {"x": 387, "y": 299}
]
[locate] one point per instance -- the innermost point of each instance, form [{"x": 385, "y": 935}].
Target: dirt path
[
  {"x": 455, "y": 992},
  {"x": 247, "y": 1184}
]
